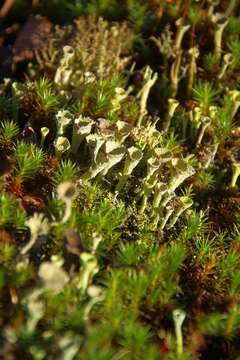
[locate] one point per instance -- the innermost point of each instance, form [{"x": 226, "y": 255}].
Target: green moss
[{"x": 119, "y": 204}]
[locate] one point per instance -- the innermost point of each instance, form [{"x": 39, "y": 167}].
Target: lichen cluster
[{"x": 119, "y": 185}]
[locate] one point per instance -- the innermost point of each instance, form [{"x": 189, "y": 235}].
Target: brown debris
[
  {"x": 6, "y": 237},
  {"x": 32, "y": 203},
  {"x": 5, "y": 165},
  {"x": 31, "y": 38},
  {"x": 29, "y": 135}
]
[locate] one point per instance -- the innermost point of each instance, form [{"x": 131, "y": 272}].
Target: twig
[{"x": 8, "y": 4}]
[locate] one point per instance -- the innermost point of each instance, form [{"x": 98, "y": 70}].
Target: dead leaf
[
  {"x": 6, "y": 237},
  {"x": 32, "y": 37},
  {"x": 73, "y": 243},
  {"x": 32, "y": 203}
]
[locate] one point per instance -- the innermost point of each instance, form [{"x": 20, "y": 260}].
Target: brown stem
[
  {"x": 8, "y": 4},
  {"x": 192, "y": 36},
  {"x": 186, "y": 8}
]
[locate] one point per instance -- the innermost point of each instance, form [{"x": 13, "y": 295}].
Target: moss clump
[{"x": 119, "y": 186}]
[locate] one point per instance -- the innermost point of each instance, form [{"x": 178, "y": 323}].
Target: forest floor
[{"x": 119, "y": 180}]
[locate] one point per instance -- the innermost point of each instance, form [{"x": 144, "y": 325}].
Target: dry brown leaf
[{"x": 32, "y": 37}]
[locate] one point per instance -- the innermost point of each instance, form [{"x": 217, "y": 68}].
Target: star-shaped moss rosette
[{"x": 119, "y": 172}]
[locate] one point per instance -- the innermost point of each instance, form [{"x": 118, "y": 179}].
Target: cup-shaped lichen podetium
[
  {"x": 174, "y": 72},
  {"x": 44, "y": 134},
  {"x": 182, "y": 27},
  {"x": 115, "y": 152},
  {"x": 88, "y": 269},
  {"x": 134, "y": 155},
  {"x": 185, "y": 203},
  {"x": 81, "y": 128},
  {"x": 178, "y": 318},
  {"x": 192, "y": 70},
  {"x": 62, "y": 145},
  {"x": 180, "y": 172},
  {"x": 172, "y": 106},
  {"x": 66, "y": 191},
  {"x": 123, "y": 130},
  {"x": 159, "y": 191},
  {"x": 105, "y": 154},
  {"x": 65, "y": 70},
  {"x": 150, "y": 181},
  {"x": 235, "y": 174},
  {"x": 64, "y": 119},
  {"x": 235, "y": 97},
  {"x": 220, "y": 21},
  {"x": 206, "y": 121},
  {"x": 227, "y": 61},
  {"x": 149, "y": 78}
]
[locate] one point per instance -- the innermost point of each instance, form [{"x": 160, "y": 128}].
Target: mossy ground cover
[{"x": 119, "y": 180}]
